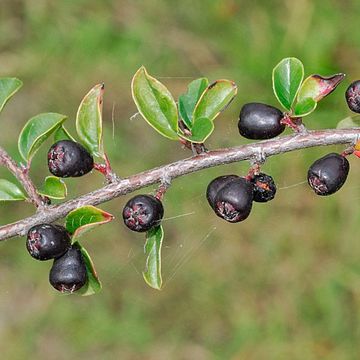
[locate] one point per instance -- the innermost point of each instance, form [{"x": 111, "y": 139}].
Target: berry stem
[
  {"x": 22, "y": 174},
  {"x": 106, "y": 170},
  {"x": 348, "y": 151},
  {"x": 294, "y": 123},
  {"x": 183, "y": 167},
  {"x": 164, "y": 185}
]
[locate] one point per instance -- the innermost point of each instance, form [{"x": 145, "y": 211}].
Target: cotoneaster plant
[{"x": 190, "y": 120}]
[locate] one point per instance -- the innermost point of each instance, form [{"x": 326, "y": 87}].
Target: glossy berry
[
  {"x": 143, "y": 212},
  {"x": 68, "y": 158},
  {"x": 352, "y": 96},
  {"x": 264, "y": 187},
  {"x": 233, "y": 201},
  {"x": 328, "y": 174},
  {"x": 215, "y": 185},
  {"x": 47, "y": 241},
  {"x": 260, "y": 121},
  {"x": 68, "y": 272}
]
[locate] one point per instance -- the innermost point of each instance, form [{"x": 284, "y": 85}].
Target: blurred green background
[{"x": 284, "y": 284}]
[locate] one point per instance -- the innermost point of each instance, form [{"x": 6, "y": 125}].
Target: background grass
[{"x": 284, "y": 284}]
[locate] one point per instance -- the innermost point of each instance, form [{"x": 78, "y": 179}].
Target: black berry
[
  {"x": 68, "y": 272},
  {"x": 352, "y": 96},
  {"x": 47, "y": 241},
  {"x": 328, "y": 174},
  {"x": 260, "y": 121},
  {"x": 68, "y": 158},
  {"x": 215, "y": 185},
  {"x": 264, "y": 187},
  {"x": 143, "y": 212},
  {"x": 233, "y": 201}
]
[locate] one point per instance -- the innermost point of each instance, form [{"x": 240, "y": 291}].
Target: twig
[
  {"x": 23, "y": 176},
  {"x": 179, "y": 168}
]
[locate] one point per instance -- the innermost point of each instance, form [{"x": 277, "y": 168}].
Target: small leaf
[
  {"x": 215, "y": 99},
  {"x": 152, "y": 273},
  {"x": 53, "y": 188},
  {"x": 36, "y": 131},
  {"x": 85, "y": 218},
  {"x": 93, "y": 284},
  {"x": 10, "y": 191},
  {"x": 317, "y": 87},
  {"x": 349, "y": 122},
  {"x": 201, "y": 130},
  {"x": 8, "y": 87},
  {"x": 155, "y": 103},
  {"x": 304, "y": 107},
  {"x": 287, "y": 77},
  {"x": 62, "y": 134},
  {"x": 89, "y": 120},
  {"x": 188, "y": 100}
]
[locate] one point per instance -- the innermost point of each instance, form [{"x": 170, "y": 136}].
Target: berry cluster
[{"x": 45, "y": 242}]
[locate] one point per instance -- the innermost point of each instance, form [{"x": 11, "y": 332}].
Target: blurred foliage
[{"x": 284, "y": 284}]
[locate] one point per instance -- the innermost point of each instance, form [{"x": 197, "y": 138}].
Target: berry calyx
[
  {"x": 264, "y": 187},
  {"x": 215, "y": 185},
  {"x": 68, "y": 158},
  {"x": 68, "y": 273},
  {"x": 259, "y": 121},
  {"x": 143, "y": 212},
  {"x": 233, "y": 201},
  {"x": 352, "y": 96},
  {"x": 47, "y": 241},
  {"x": 328, "y": 174}
]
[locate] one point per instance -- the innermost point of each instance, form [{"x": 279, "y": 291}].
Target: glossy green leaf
[
  {"x": 36, "y": 131},
  {"x": 201, "y": 130},
  {"x": 215, "y": 99},
  {"x": 8, "y": 87},
  {"x": 188, "y": 100},
  {"x": 317, "y": 86},
  {"x": 10, "y": 191},
  {"x": 287, "y": 77},
  {"x": 85, "y": 218},
  {"x": 93, "y": 284},
  {"x": 155, "y": 103},
  {"x": 89, "y": 120},
  {"x": 152, "y": 273},
  {"x": 53, "y": 188},
  {"x": 62, "y": 134},
  {"x": 304, "y": 107},
  {"x": 349, "y": 122}
]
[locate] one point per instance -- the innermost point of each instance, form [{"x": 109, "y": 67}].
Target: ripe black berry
[
  {"x": 352, "y": 96},
  {"x": 215, "y": 185},
  {"x": 68, "y": 158},
  {"x": 260, "y": 121},
  {"x": 264, "y": 187},
  {"x": 47, "y": 241},
  {"x": 68, "y": 272},
  {"x": 233, "y": 201},
  {"x": 328, "y": 174},
  {"x": 142, "y": 212}
]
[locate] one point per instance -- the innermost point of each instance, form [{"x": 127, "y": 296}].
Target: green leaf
[
  {"x": 10, "y": 191},
  {"x": 287, "y": 77},
  {"x": 155, "y": 103},
  {"x": 85, "y": 218},
  {"x": 36, "y": 131},
  {"x": 349, "y": 122},
  {"x": 89, "y": 120},
  {"x": 215, "y": 99},
  {"x": 93, "y": 284},
  {"x": 188, "y": 100},
  {"x": 304, "y": 107},
  {"x": 62, "y": 134},
  {"x": 201, "y": 130},
  {"x": 8, "y": 87},
  {"x": 152, "y": 273},
  {"x": 317, "y": 87},
  {"x": 54, "y": 188}
]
